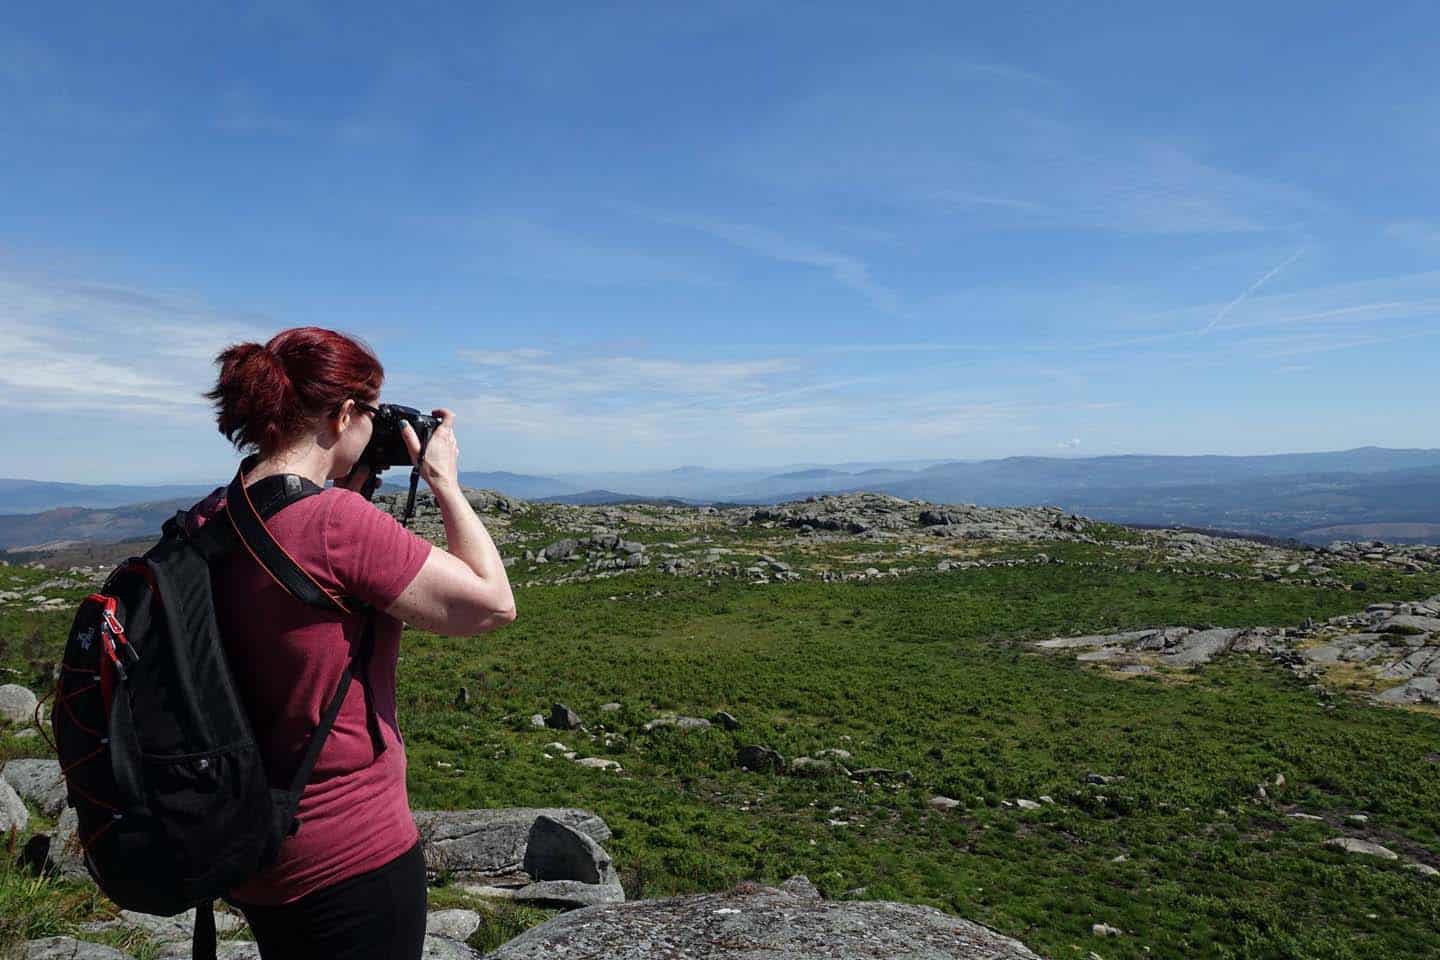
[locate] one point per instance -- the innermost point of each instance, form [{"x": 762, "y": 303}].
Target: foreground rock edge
[{"x": 754, "y": 921}]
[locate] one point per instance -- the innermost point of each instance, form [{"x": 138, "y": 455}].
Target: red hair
[{"x": 267, "y": 396}]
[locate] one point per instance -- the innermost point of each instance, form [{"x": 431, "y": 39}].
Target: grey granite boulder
[
  {"x": 489, "y": 845},
  {"x": 563, "y": 718},
  {"x": 570, "y": 869},
  {"x": 557, "y": 851},
  {"x": 756, "y": 757},
  {"x": 1365, "y": 847},
  {"x": 443, "y": 948},
  {"x": 1409, "y": 624},
  {"x": 68, "y": 948},
  {"x": 66, "y": 856},
  {"x": 452, "y": 924},
  {"x": 13, "y": 815},
  {"x": 1199, "y": 647},
  {"x": 1419, "y": 690},
  {"x": 569, "y": 894},
  {"x": 761, "y": 923},
  {"x": 177, "y": 929},
  {"x": 224, "y": 950},
  {"x": 679, "y": 723},
  {"x": 38, "y": 782},
  {"x": 17, "y": 703}
]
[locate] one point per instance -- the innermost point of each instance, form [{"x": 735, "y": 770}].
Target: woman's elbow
[{"x": 497, "y": 619}]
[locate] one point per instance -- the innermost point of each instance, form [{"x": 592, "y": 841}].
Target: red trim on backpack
[{"x": 318, "y": 585}]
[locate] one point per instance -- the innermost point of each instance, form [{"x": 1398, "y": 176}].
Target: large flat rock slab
[
  {"x": 490, "y": 845},
  {"x": 761, "y": 923}
]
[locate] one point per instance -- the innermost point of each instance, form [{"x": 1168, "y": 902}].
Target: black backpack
[{"x": 174, "y": 803}]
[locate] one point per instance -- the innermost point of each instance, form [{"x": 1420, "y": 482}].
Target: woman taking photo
[{"x": 351, "y": 882}]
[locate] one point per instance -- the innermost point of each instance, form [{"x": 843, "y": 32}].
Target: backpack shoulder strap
[{"x": 247, "y": 509}]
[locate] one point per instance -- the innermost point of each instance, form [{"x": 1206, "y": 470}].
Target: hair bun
[{"x": 268, "y": 394}]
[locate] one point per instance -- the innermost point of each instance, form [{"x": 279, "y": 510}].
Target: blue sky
[{"x": 636, "y": 236}]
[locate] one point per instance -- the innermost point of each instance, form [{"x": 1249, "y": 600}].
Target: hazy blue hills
[
  {"x": 597, "y": 498},
  {"x": 1370, "y": 492},
  {"x": 521, "y": 485},
  {"x": 81, "y": 524},
  {"x": 33, "y": 496}
]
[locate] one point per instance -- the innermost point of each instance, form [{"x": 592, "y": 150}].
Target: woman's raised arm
[{"x": 465, "y": 590}]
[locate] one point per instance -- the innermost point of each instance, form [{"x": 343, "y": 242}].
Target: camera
[{"x": 387, "y": 444}]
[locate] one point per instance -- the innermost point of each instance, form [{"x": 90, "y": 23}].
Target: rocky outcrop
[
  {"x": 490, "y": 846},
  {"x": 871, "y": 513},
  {"x": 754, "y": 922},
  {"x": 1396, "y": 644}
]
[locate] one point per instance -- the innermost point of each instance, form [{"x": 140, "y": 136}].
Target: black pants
[{"x": 378, "y": 915}]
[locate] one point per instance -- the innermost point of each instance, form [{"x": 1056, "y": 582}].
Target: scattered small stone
[
  {"x": 725, "y": 720},
  {"x": 760, "y": 758},
  {"x": 943, "y": 803},
  {"x": 1356, "y": 845},
  {"x": 679, "y": 723},
  {"x": 563, "y": 718},
  {"x": 1105, "y": 930}
]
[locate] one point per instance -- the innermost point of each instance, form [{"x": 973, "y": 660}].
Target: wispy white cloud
[
  {"x": 1000, "y": 151},
  {"x": 531, "y": 369},
  {"x": 1423, "y": 235},
  {"x": 844, "y": 269},
  {"x": 1280, "y": 347},
  {"x": 72, "y": 345},
  {"x": 533, "y": 250}
]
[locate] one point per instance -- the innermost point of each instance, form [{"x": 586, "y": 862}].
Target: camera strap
[{"x": 415, "y": 479}]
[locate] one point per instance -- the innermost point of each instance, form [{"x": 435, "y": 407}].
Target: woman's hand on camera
[{"x": 441, "y": 468}]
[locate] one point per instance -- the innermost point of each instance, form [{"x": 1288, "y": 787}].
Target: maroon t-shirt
[{"x": 287, "y": 658}]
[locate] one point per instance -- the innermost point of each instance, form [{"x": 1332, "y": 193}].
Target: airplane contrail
[{"x": 1225, "y": 310}]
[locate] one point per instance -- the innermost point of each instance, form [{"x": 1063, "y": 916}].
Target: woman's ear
[{"x": 346, "y": 414}]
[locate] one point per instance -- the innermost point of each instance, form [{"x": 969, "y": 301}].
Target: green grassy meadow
[{"x": 930, "y": 674}]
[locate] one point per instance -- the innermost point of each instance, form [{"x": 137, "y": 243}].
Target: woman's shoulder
[
  {"x": 345, "y": 512},
  {"x": 203, "y": 510},
  {"x": 343, "y": 504}
]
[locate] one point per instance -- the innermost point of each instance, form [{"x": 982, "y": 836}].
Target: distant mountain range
[
  {"x": 1351, "y": 494},
  {"x": 32, "y": 496}
]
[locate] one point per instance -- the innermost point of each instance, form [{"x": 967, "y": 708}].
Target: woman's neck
[{"x": 312, "y": 462}]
